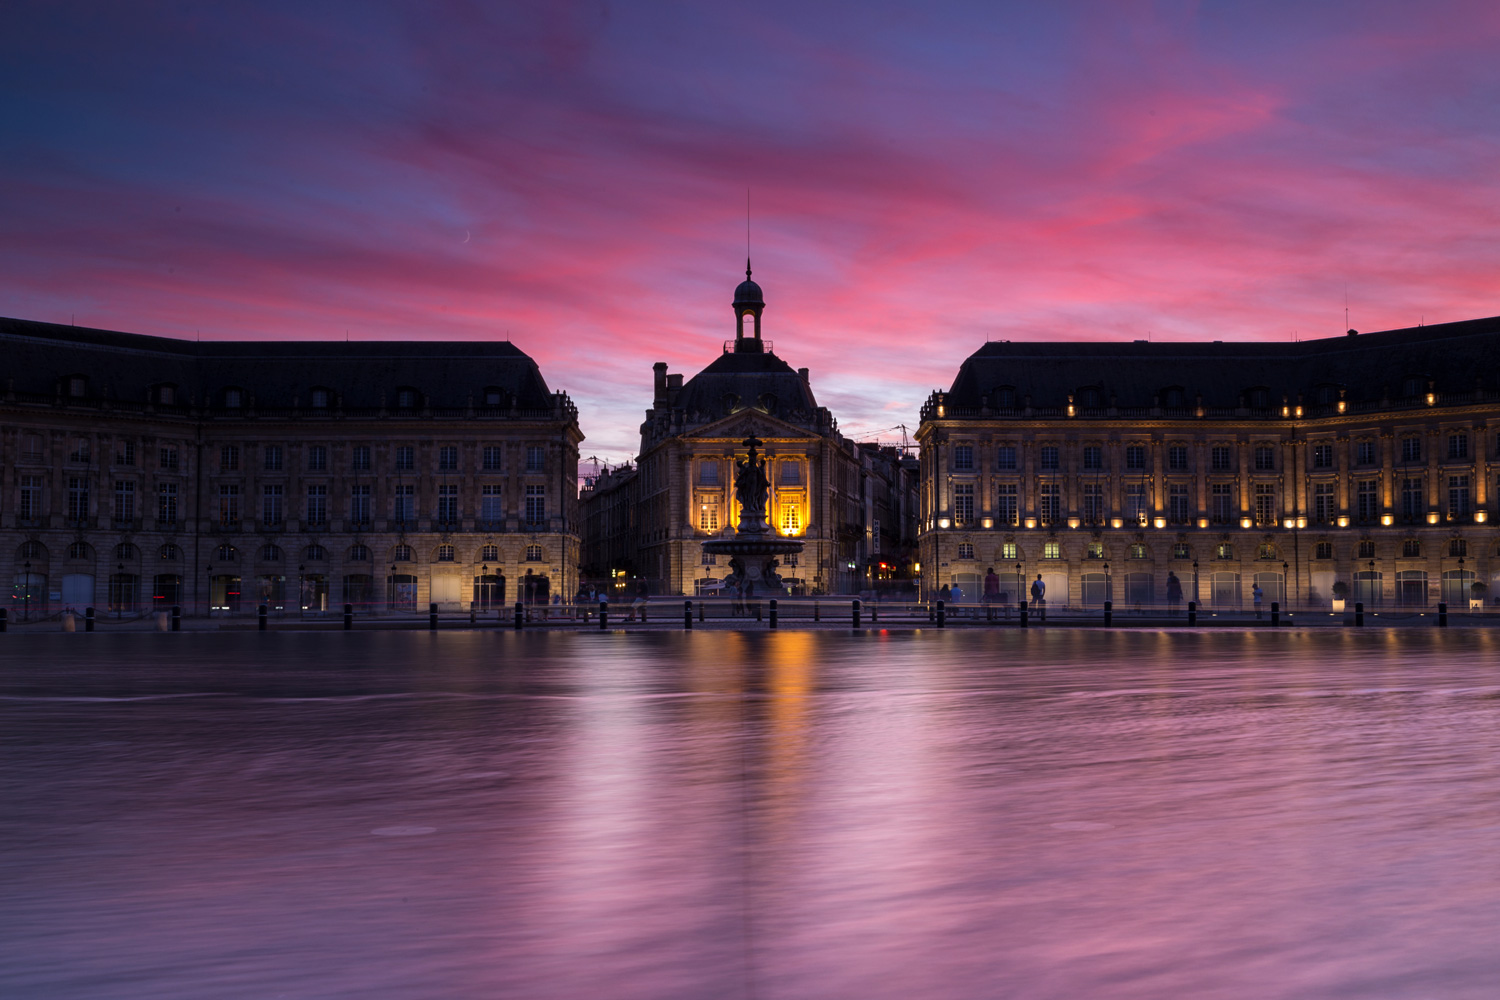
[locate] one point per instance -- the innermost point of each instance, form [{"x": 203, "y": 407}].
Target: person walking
[
  {"x": 1039, "y": 597},
  {"x": 1255, "y": 592},
  {"x": 991, "y": 593},
  {"x": 1174, "y": 592}
]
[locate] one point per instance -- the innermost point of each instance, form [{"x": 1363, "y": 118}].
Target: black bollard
[
  {"x": 772, "y": 622},
  {"x": 1192, "y": 612},
  {"x": 855, "y": 609},
  {"x": 701, "y": 605},
  {"x": 687, "y": 616},
  {"x": 348, "y": 617},
  {"x": 473, "y": 613},
  {"x": 941, "y": 615},
  {"x": 874, "y": 613},
  {"x": 520, "y": 621},
  {"x": 176, "y": 618},
  {"x": 88, "y": 619},
  {"x": 757, "y": 611},
  {"x": 260, "y": 618},
  {"x": 1024, "y": 617},
  {"x": 432, "y": 617},
  {"x": 815, "y": 612},
  {"x": 1109, "y": 613},
  {"x": 1442, "y": 615},
  {"x": 4, "y": 619},
  {"x": 1275, "y": 613},
  {"x": 1359, "y": 614},
  {"x": 603, "y": 614}
]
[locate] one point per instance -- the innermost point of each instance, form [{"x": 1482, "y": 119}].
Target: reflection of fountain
[{"x": 753, "y": 549}]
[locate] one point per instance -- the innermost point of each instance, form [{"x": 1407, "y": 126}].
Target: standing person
[
  {"x": 639, "y": 604},
  {"x": 1255, "y": 592},
  {"x": 528, "y": 592},
  {"x": 1039, "y": 597},
  {"x": 543, "y": 594},
  {"x": 991, "y": 593},
  {"x": 1174, "y": 592},
  {"x": 957, "y": 593},
  {"x": 945, "y": 594}
]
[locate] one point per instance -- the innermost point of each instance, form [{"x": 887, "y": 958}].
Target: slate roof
[
  {"x": 1456, "y": 357},
  {"x": 125, "y": 366},
  {"x": 750, "y": 376}
]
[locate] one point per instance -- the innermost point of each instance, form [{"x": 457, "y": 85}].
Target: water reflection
[{"x": 1061, "y": 814}]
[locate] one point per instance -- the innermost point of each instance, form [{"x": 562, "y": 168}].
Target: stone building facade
[
  {"x": 1365, "y": 465},
  {"x": 143, "y": 471},
  {"x": 681, "y": 493}
]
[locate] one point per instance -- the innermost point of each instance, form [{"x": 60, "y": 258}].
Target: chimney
[
  {"x": 659, "y": 398},
  {"x": 674, "y": 386},
  {"x": 802, "y": 374}
]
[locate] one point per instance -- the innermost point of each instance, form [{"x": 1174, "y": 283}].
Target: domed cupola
[{"x": 748, "y": 304}]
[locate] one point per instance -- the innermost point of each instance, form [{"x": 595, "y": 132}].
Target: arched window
[
  {"x": 169, "y": 551},
  {"x": 1138, "y": 551},
  {"x": 1458, "y": 547},
  {"x": 1323, "y": 551},
  {"x": 32, "y": 550},
  {"x": 315, "y": 552},
  {"x": 80, "y": 550},
  {"x": 358, "y": 553},
  {"x": 445, "y": 553},
  {"x": 401, "y": 553},
  {"x": 1223, "y": 551},
  {"x": 125, "y": 551},
  {"x": 227, "y": 553},
  {"x": 490, "y": 553},
  {"x": 270, "y": 553},
  {"x": 533, "y": 553},
  {"x": 1266, "y": 551},
  {"x": 1411, "y": 548}
]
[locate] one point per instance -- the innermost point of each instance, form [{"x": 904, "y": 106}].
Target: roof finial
[{"x": 747, "y": 268}]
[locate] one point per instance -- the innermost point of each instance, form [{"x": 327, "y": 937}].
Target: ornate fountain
[{"x": 754, "y": 550}]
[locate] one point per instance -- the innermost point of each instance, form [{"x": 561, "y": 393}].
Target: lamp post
[
  {"x": 1107, "y": 594},
  {"x": 1462, "y": 587},
  {"x": 1370, "y": 584},
  {"x": 302, "y": 588},
  {"x": 390, "y": 588},
  {"x": 1284, "y": 600},
  {"x": 119, "y": 588},
  {"x": 484, "y": 583},
  {"x": 26, "y": 596},
  {"x": 1196, "y": 596},
  {"x": 1019, "y": 592}
]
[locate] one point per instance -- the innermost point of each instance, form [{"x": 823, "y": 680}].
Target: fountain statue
[{"x": 754, "y": 548}]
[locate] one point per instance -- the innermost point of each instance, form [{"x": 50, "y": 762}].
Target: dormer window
[
  {"x": 1005, "y": 397},
  {"x": 320, "y": 399},
  {"x": 234, "y": 398},
  {"x": 1411, "y": 386},
  {"x": 166, "y": 395},
  {"x": 1173, "y": 398},
  {"x": 78, "y": 386},
  {"x": 1259, "y": 398},
  {"x": 1088, "y": 397},
  {"x": 493, "y": 396},
  {"x": 406, "y": 398}
]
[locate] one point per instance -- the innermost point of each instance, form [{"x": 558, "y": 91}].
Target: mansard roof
[
  {"x": 362, "y": 374},
  {"x": 751, "y": 379},
  {"x": 1454, "y": 357}
]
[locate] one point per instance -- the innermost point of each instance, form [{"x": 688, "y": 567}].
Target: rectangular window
[
  {"x": 1458, "y": 446},
  {"x": 31, "y": 498},
  {"x": 1049, "y": 511},
  {"x": 1137, "y": 503},
  {"x": 536, "y": 503},
  {"x": 1177, "y": 503},
  {"x": 708, "y": 473},
  {"x": 229, "y": 506},
  {"x": 491, "y": 504},
  {"x": 127, "y": 453},
  {"x": 229, "y": 458},
  {"x": 1411, "y": 498},
  {"x": 404, "y": 504},
  {"x": 1221, "y": 496},
  {"x": 1006, "y": 510},
  {"x": 963, "y": 504},
  {"x": 124, "y": 501},
  {"x": 535, "y": 458},
  {"x": 1135, "y": 457},
  {"x": 447, "y": 511},
  {"x": 791, "y": 519},
  {"x": 166, "y": 503},
  {"x": 317, "y": 458},
  {"x": 78, "y": 499},
  {"x": 1411, "y": 449},
  {"x": 1093, "y": 458},
  {"x": 1367, "y": 501},
  {"x": 448, "y": 458},
  {"x": 406, "y": 458},
  {"x": 167, "y": 459},
  {"x": 359, "y": 458},
  {"x": 708, "y": 517},
  {"x": 1458, "y": 497},
  {"x": 1177, "y": 458},
  {"x": 1265, "y": 503},
  {"x": 273, "y": 457},
  {"x": 1325, "y": 502},
  {"x": 1049, "y": 457},
  {"x": 359, "y": 504},
  {"x": 272, "y": 505},
  {"x": 791, "y": 473},
  {"x": 1265, "y": 458},
  {"x": 1364, "y": 452},
  {"x": 491, "y": 457},
  {"x": 317, "y": 505},
  {"x": 1322, "y": 456},
  {"x": 1221, "y": 458},
  {"x": 1005, "y": 458},
  {"x": 1093, "y": 503},
  {"x": 963, "y": 458},
  {"x": 1051, "y": 550},
  {"x": 1008, "y": 550}
]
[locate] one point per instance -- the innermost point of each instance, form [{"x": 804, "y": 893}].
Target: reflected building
[
  {"x": 825, "y": 490},
  {"x": 1358, "y": 466},
  {"x": 144, "y": 471}
]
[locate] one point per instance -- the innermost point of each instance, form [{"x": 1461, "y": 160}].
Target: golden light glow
[
  {"x": 1301, "y": 522},
  {"x": 1387, "y": 519},
  {"x": 988, "y": 522},
  {"x": 1299, "y": 413},
  {"x": 1286, "y": 411},
  {"x": 1432, "y": 399},
  {"x": 1245, "y": 522},
  {"x": 1481, "y": 516},
  {"x": 1160, "y": 522},
  {"x": 1031, "y": 522},
  {"x": 942, "y": 522},
  {"x": 1117, "y": 523},
  {"x": 1343, "y": 520},
  {"x": 1074, "y": 522},
  {"x": 1432, "y": 517},
  {"x": 1290, "y": 522},
  {"x": 1202, "y": 522},
  {"x": 1341, "y": 406}
]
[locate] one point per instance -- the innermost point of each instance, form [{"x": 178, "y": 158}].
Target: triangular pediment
[{"x": 749, "y": 422}]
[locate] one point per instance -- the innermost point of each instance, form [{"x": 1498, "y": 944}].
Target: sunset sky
[{"x": 922, "y": 178}]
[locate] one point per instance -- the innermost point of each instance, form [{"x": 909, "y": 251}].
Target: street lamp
[
  {"x": 1370, "y": 584},
  {"x": 1107, "y": 595},
  {"x": 1019, "y": 597},
  {"x": 1284, "y": 600},
  {"x": 1195, "y": 581},
  {"x": 484, "y": 586},
  {"x": 1462, "y": 598}
]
